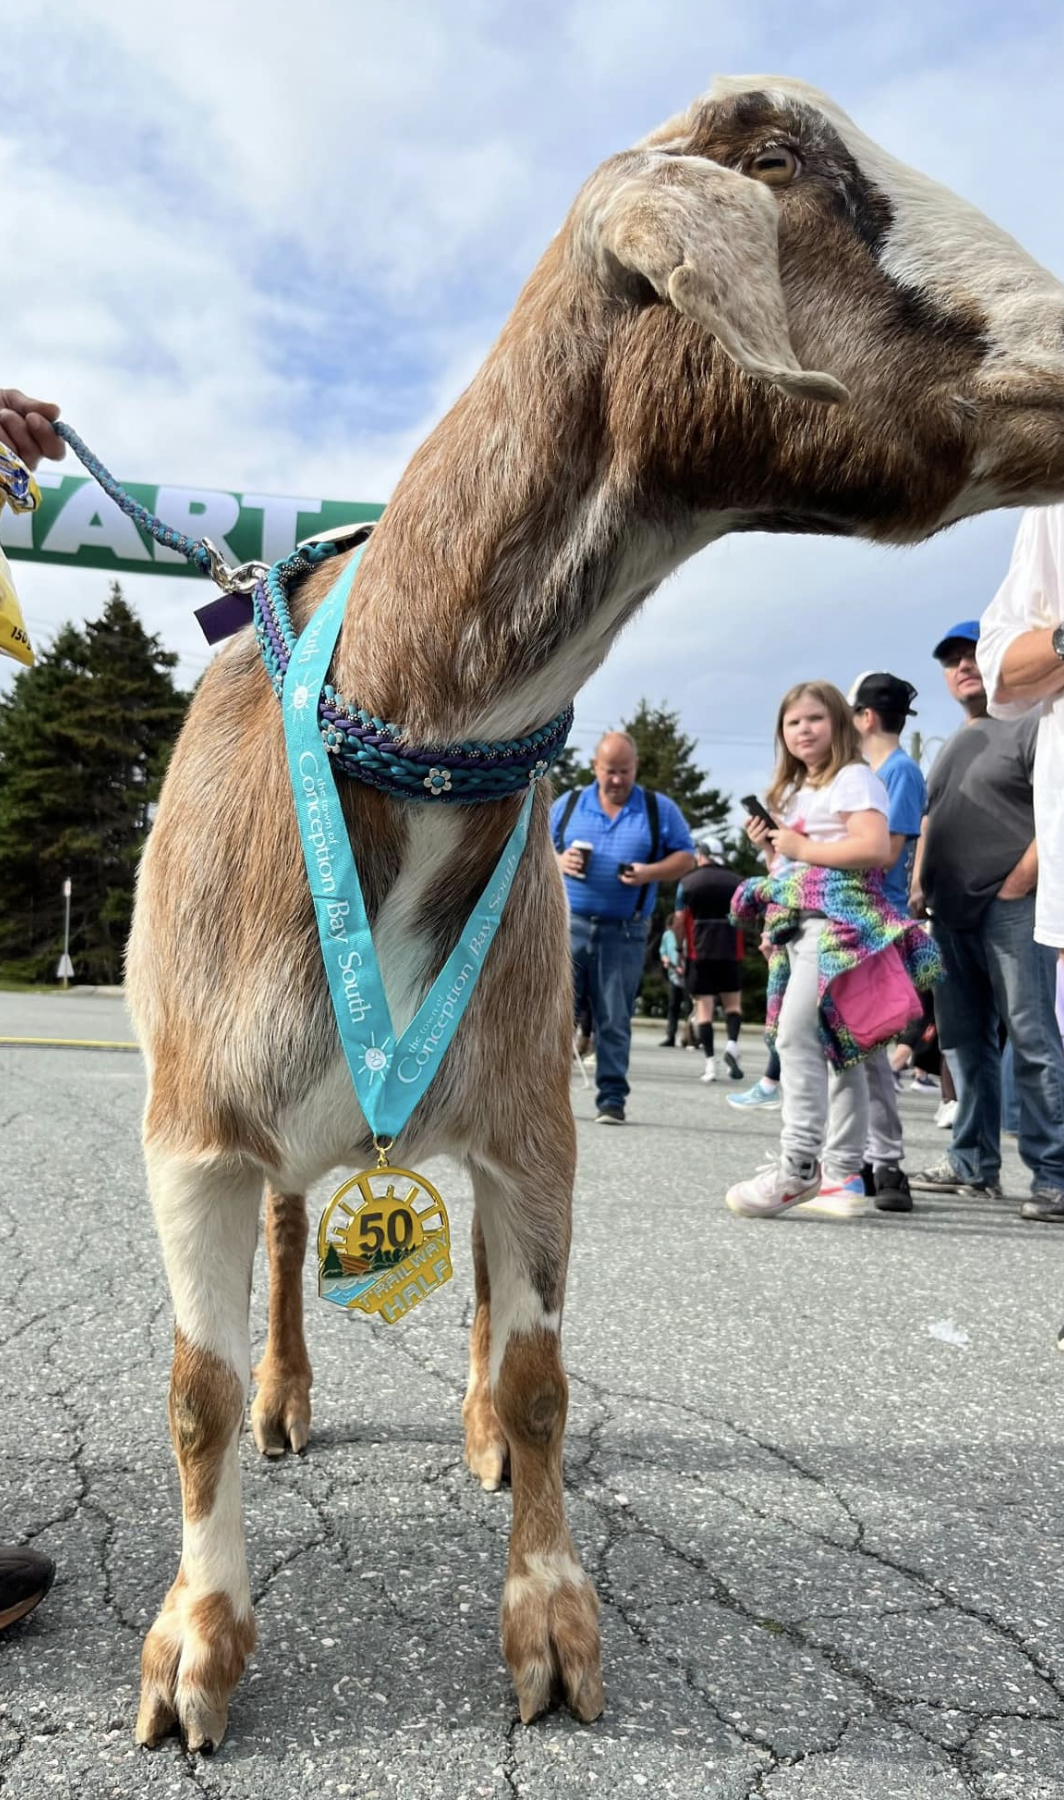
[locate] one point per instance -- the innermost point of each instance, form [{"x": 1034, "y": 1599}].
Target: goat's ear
[{"x": 706, "y": 239}]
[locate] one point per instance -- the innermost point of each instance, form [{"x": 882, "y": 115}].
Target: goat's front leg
[
  {"x": 550, "y": 1628},
  {"x": 195, "y": 1652},
  {"x": 280, "y": 1411},
  {"x": 486, "y": 1451}
]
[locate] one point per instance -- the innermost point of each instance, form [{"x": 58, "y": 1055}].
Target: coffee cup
[{"x": 583, "y": 850}]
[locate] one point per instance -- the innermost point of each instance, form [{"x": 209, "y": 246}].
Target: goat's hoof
[
  {"x": 280, "y": 1414},
  {"x": 487, "y": 1453},
  {"x": 192, "y": 1659},
  {"x": 490, "y": 1466},
  {"x": 550, "y": 1636}
]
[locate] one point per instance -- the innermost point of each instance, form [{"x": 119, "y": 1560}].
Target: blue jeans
[
  {"x": 997, "y": 974},
  {"x": 608, "y": 959}
]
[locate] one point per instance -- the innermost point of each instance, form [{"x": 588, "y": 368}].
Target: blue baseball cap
[{"x": 967, "y": 632}]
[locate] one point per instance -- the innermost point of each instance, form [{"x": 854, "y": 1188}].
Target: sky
[{"x": 264, "y": 249}]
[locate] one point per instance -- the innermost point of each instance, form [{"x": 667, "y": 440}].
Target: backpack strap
[
  {"x": 654, "y": 822},
  {"x": 563, "y": 819}
]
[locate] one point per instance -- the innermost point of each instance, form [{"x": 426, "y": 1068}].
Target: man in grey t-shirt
[{"x": 976, "y": 873}]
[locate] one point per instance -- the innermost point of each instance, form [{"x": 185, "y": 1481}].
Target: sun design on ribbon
[{"x": 376, "y": 1059}]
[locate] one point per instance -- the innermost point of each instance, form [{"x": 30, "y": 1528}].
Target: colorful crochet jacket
[{"x": 859, "y": 922}]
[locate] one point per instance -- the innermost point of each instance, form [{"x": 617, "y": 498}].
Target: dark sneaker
[
  {"x": 25, "y": 1577},
  {"x": 667, "y": 1044},
  {"x": 732, "y": 1063},
  {"x": 892, "y": 1190},
  {"x": 610, "y": 1115},
  {"x": 940, "y": 1178},
  {"x": 868, "y": 1176},
  {"x": 1045, "y": 1205}
]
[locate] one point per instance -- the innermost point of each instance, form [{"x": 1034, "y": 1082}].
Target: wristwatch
[{"x": 1057, "y": 641}]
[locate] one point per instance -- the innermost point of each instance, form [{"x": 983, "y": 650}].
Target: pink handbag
[{"x": 876, "y": 999}]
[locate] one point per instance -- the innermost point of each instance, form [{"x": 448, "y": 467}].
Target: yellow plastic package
[{"x": 19, "y": 491}]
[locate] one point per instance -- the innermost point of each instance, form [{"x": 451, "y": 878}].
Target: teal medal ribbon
[{"x": 390, "y": 1073}]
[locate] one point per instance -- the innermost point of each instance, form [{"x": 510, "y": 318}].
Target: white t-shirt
[
  {"x": 817, "y": 812},
  {"x": 1032, "y": 597}
]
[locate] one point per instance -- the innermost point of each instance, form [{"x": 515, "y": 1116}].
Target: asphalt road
[{"x": 815, "y": 1469}]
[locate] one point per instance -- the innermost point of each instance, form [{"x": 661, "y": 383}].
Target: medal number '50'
[{"x": 372, "y": 1236}]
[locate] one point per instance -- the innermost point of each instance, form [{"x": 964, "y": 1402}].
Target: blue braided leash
[
  {"x": 364, "y": 747},
  {"x": 197, "y": 551}
]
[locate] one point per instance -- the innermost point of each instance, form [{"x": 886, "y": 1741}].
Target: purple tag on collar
[{"x": 223, "y": 616}]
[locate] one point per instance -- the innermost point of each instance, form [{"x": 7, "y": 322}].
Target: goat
[{"x": 754, "y": 319}]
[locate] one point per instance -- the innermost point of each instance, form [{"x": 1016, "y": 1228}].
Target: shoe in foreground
[
  {"x": 1046, "y": 1206},
  {"x": 732, "y": 1063},
  {"x": 610, "y": 1115},
  {"x": 770, "y": 1099},
  {"x": 25, "y": 1577},
  {"x": 775, "y": 1188},
  {"x": 837, "y": 1200},
  {"x": 943, "y": 1178},
  {"x": 892, "y": 1190}
]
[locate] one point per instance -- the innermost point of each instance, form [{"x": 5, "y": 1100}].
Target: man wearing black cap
[
  {"x": 881, "y": 704},
  {"x": 976, "y": 874}
]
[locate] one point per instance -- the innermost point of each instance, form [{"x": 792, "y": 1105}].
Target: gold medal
[{"x": 383, "y": 1242}]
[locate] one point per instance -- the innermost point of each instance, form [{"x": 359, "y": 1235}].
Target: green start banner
[{"x": 77, "y": 526}]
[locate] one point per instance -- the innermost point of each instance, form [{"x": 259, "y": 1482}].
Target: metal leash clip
[
  {"x": 345, "y": 537},
  {"x": 238, "y": 580}
]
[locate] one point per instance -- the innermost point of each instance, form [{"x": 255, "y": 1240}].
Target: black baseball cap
[{"x": 884, "y": 693}]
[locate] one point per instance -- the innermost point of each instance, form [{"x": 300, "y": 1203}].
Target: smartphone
[{"x": 757, "y": 810}]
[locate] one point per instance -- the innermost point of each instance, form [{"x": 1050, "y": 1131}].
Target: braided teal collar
[{"x": 373, "y": 751}]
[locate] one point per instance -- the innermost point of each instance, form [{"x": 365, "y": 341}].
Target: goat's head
[{"x": 906, "y": 355}]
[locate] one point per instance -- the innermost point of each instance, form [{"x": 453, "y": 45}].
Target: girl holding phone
[{"x": 825, "y": 911}]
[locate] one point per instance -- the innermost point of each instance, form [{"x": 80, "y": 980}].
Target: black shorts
[{"x": 716, "y": 975}]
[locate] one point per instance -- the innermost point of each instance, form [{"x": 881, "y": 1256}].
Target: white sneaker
[
  {"x": 945, "y": 1114},
  {"x": 732, "y": 1063},
  {"x": 710, "y": 1073},
  {"x": 774, "y": 1189}
]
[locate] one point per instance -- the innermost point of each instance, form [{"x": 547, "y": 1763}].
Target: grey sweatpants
[
  {"x": 886, "y": 1146},
  {"x": 825, "y": 1111}
]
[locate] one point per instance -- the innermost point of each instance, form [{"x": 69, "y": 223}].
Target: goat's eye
[{"x": 778, "y": 166}]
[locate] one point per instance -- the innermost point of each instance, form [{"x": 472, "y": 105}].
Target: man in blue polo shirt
[{"x": 604, "y": 838}]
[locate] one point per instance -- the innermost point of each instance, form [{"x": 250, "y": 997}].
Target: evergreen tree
[
  {"x": 85, "y": 736},
  {"x": 569, "y": 771},
  {"x": 667, "y": 763}
]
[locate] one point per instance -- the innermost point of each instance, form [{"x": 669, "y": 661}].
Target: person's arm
[
  {"x": 1030, "y": 668},
  {"x": 677, "y": 862},
  {"x": 1014, "y": 651},
  {"x": 916, "y": 883},
  {"x": 671, "y": 868},
  {"x": 1023, "y": 879},
  {"x": 897, "y": 845},
  {"x": 865, "y": 846}
]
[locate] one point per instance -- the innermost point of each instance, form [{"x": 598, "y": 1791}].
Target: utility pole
[{"x": 66, "y": 967}]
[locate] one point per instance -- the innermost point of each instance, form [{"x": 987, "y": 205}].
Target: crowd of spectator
[{"x": 876, "y": 885}]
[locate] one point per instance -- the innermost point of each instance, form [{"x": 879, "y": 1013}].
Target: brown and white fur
[{"x": 657, "y": 386}]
